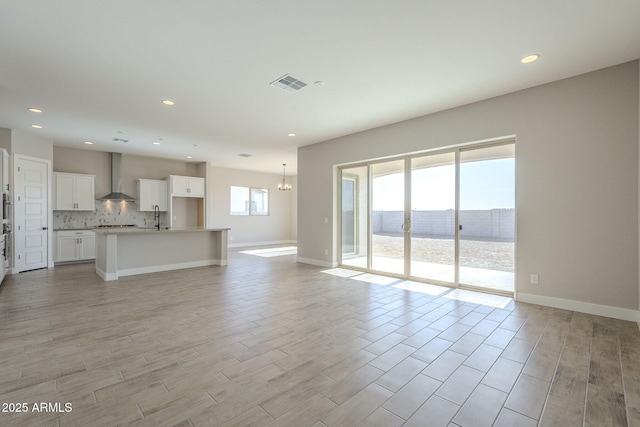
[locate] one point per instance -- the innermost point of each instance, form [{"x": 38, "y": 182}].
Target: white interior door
[{"x": 31, "y": 213}]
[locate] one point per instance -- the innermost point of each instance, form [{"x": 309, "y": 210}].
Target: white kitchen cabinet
[
  {"x": 74, "y": 245},
  {"x": 152, "y": 192},
  {"x": 73, "y": 192},
  {"x": 186, "y": 186}
]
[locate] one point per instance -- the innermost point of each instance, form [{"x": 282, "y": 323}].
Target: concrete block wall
[{"x": 491, "y": 223}]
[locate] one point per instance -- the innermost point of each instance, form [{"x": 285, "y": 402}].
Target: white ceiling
[{"x": 97, "y": 68}]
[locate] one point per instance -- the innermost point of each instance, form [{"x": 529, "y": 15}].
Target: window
[{"x": 249, "y": 201}]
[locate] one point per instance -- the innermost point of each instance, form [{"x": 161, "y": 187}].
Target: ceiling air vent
[{"x": 288, "y": 83}]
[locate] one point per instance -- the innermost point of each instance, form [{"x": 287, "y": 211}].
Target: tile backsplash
[{"x": 105, "y": 213}]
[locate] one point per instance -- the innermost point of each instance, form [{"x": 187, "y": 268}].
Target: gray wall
[
  {"x": 576, "y": 180},
  {"x": 277, "y": 227},
  {"x": 280, "y": 226},
  {"x": 133, "y": 168},
  {"x": 30, "y": 145}
]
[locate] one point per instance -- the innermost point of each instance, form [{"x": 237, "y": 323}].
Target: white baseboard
[
  {"x": 318, "y": 262},
  {"x": 106, "y": 276},
  {"x": 582, "y": 307},
  {"x": 274, "y": 242}
]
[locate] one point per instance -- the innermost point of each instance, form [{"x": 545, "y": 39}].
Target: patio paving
[{"x": 484, "y": 263}]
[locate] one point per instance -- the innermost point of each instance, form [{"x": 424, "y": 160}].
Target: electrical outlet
[{"x": 534, "y": 279}]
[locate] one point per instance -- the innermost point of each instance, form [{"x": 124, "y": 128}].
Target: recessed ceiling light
[
  {"x": 189, "y": 157},
  {"x": 35, "y": 110},
  {"x": 88, "y": 142},
  {"x": 292, "y": 134},
  {"x": 168, "y": 102},
  {"x": 530, "y": 58},
  {"x": 319, "y": 83},
  {"x": 155, "y": 143},
  {"x": 36, "y": 126}
]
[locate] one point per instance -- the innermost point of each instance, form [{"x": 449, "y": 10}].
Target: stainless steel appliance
[
  {"x": 6, "y": 208},
  {"x": 7, "y": 234},
  {"x": 3, "y": 262}
]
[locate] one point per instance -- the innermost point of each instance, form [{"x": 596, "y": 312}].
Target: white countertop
[{"x": 145, "y": 230}]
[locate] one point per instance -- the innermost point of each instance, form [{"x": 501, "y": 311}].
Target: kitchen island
[{"x": 126, "y": 252}]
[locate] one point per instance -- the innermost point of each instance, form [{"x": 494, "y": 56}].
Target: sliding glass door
[
  {"x": 388, "y": 217},
  {"x": 354, "y": 214},
  {"x": 487, "y": 217},
  {"x": 445, "y": 217},
  {"x": 433, "y": 220}
]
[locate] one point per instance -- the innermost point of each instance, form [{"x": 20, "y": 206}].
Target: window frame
[{"x": 250, "y": 201}]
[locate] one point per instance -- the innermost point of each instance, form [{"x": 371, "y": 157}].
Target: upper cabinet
[
  {"x": 152, "y": 192},
  {"x": 186, "y": 186},
  {"x": 73, "y": 192}
]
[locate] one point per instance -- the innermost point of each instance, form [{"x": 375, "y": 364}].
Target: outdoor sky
[{"x": 487, "y": 184}]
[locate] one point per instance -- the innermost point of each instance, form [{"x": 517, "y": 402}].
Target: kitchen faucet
[{"x": 156, "y": 216}]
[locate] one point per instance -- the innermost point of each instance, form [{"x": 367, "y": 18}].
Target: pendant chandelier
[{"x": 283, "y": 185}]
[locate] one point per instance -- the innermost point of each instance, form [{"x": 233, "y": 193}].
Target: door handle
[
  {"x": 460, "y": 227},
  {"x": 44, "y": 228}
]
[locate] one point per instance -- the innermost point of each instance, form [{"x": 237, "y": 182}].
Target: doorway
[{"x": 444, "y": 217}]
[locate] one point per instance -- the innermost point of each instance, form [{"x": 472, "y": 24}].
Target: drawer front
[{"x": 76, "y": 233}]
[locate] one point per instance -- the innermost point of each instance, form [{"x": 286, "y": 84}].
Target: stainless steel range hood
[{"x": 116, "y": 162}]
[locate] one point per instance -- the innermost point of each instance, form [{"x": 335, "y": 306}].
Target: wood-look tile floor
[{"x": 266, "y": 341}]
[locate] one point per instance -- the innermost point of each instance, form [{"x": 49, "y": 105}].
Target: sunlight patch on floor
[
  {"x": 478, "y": 298},
  {"x": 423, "y": 288},
  {"x": 341, "y": 272},
  {"x": 375, "y": 279},
  {"x": 271, "y": 252}
]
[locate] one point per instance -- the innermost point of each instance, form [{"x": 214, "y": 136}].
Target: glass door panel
[
  {"x": 487, "y": 217},
  {"x": 388, "y": 217},
  {"x": 433, "y": 204},
  {"x": 354, "y": 216}
]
